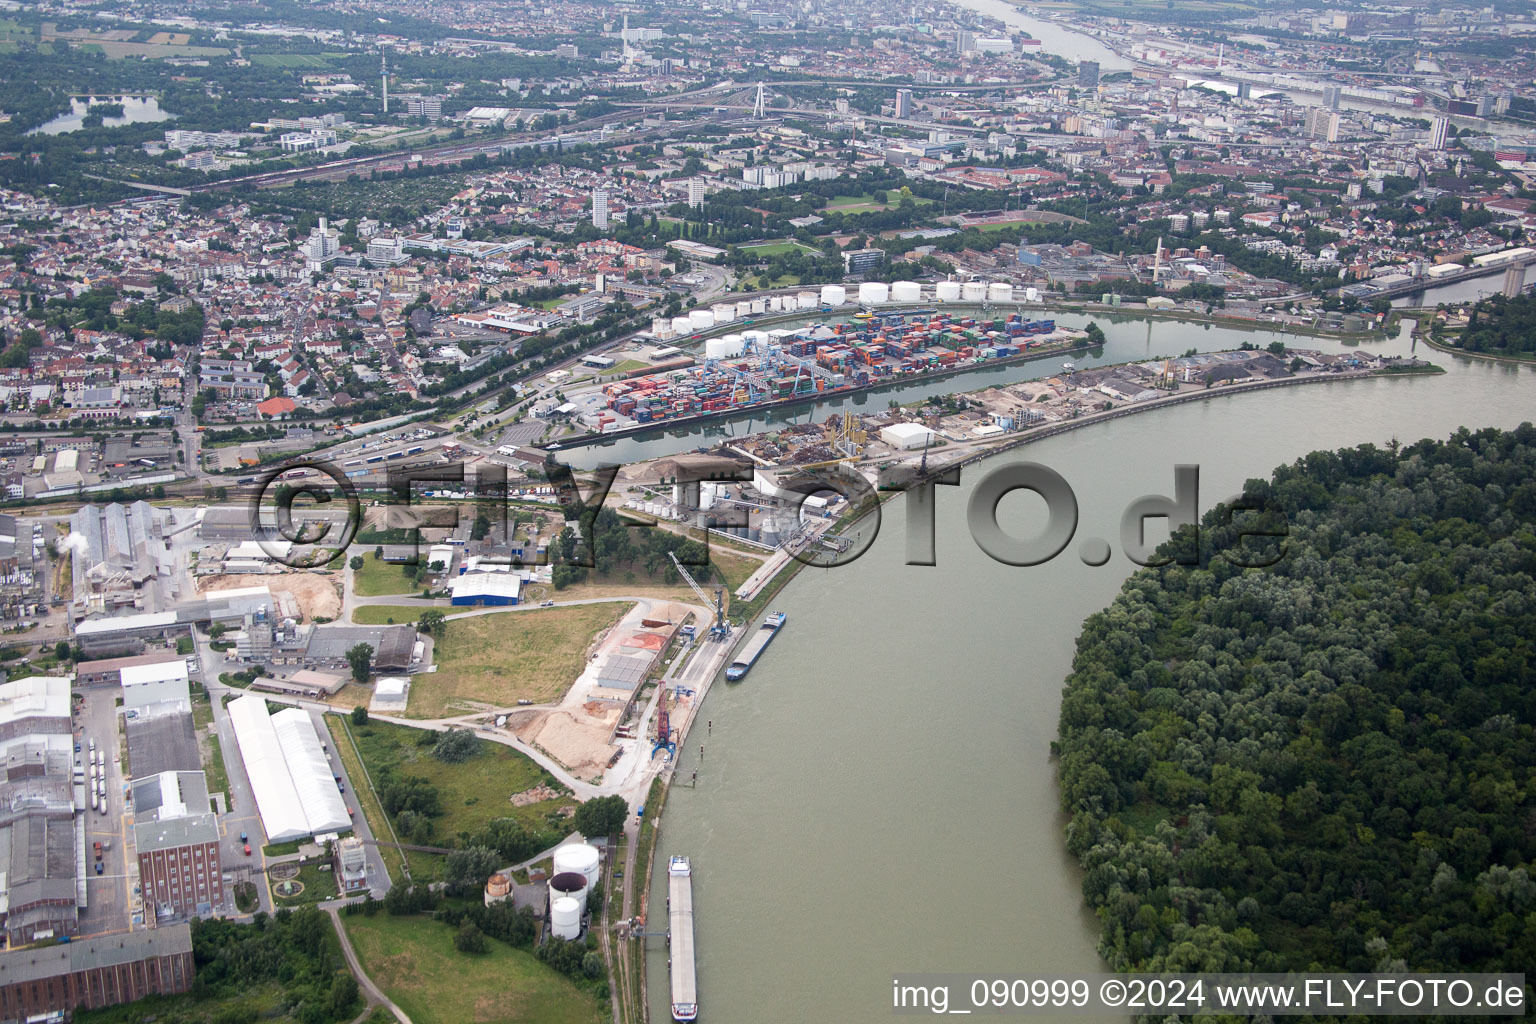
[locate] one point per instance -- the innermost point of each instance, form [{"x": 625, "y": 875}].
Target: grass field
[
  {"x": 378, "y": 578},
  {"x": 413, "y": 960},
  {"x": 865, "y": 202},
  {"x": 775, "y": 248},
  {"x": 384, "y": 614},
  {"x": 472, "y": 793},
  {"x": 290, "y": 60},
  {"x": 501, "y": 658},
  {"x": 367, "y": 799},
  {"x": 319, "y": 886}
]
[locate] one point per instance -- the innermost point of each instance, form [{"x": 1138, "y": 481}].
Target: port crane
[{"x": 721, "y": 630}]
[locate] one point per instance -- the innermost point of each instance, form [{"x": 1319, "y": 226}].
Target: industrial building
[
  {"x": 114, "y": 550},
  {"x": 92, "y": 973},
  {"x": 390, "y": 695},
  {"x": 907, "y": 436},
  {"x": 351, "y": 866},
  {"x": 41, "y": 839},
  {"x": 156, "y": 687},
  {"x": 108, "y": 671},
  {"x": 295, "y": 791},
  {"x": 486, "y": 588},
  {"x": 161, "y": 743},
  {"x": 176, "y": 836}
]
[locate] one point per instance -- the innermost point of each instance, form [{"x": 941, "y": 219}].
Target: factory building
[
  {"x": 295, "y": 790},
  {"x": 486, "y": 588},
  {"x": 114, "y": 552},
  {"x": 156, "y": 687},
  {"x": 108, "y": 671},
  {"x": 907, "y": 436},
  {"x": 38, "y": 982},
  {"x": 176, "y": 836},
  {"x": 40, "y": 850}
]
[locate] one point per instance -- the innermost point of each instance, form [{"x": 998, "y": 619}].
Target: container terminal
[
  {"x": 685, "y": 993},
  {"x": 760, "y": 368},
  {"x": 755, "y": 646}
]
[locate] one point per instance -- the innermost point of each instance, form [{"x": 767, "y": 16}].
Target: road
[
  {"x": 109, "y": 896},
  {"x": 372, "y": 994}
]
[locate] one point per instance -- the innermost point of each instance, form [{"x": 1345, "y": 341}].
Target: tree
[
  {"x": 466, "y": 870},
  {"x": 356, "y": 563},
  {"x": 456, "y": 746},
  {"x": 1276, "y": 348},
  {"x": 359, "y": 715},
  {"x": 431, "y": 621},
  {"x": 601, "y": 816},
  {"x": 1095, "y": 333},
  {"x": 469, "y": 939},
  {"x": 343, "y": 1000},
  {"x": 61, "y": 650},
  {"x": 360, "y": 657}
]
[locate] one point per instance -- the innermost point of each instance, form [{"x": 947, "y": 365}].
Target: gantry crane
[{"x": 721, "y": 630}]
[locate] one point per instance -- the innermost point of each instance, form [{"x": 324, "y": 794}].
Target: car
[
  {"x": 247, "y": 849},
  {"x": 77, "y": 746},
  {"x": 98, "y": 867},
  {"x": 244, "y": 837},
  {"x": 349, "y": 812},
  {"x": 341, "y": 787}
]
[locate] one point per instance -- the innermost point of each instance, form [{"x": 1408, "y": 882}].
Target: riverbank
[{"x": 1492, "y": 357}]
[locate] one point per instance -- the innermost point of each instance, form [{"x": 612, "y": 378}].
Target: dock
[{"x": 685, "y": 993}]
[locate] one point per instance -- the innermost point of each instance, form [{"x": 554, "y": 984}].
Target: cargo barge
[
  {"x": 685, "y": 992},
  {"x": 755, "y": 646}
]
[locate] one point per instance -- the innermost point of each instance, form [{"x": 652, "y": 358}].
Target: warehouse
[
  {"x": 906, "y": 436},
  {"x": 295, "y": 790},
  {"x": 486, "y": 588},
  {"x": 155, "y": 683}
]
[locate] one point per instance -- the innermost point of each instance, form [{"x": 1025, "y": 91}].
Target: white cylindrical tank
[
  {"x": 776, "y": 303},
  {"x": 805, "y": 299},
  {"x": 833, "y": 295},
  {"x": 874, "y": 291},
  {"x": 973, "y": 291},
  {"x": 682, "y": 325},
  {"x": 700, "y": 319},
  {"x": 724, "y": 312},
  {"x": 661, "y": 327},
  {"x": 714, "y": 348},
  {"x": 906, "y": 291},
  {"x": 1031, "y": 294},
  {"x": 572, "y": 884},
  {"x": 998, "y": 291},
  {"x": 743, "y": 308},
  {"x": 759, "y": 305},
  {"x": 565, "y": 918},
  {"x": 734, "y": 344},
  {"x": 581, "y": 857},
  {"x": 947, "y": 291}
]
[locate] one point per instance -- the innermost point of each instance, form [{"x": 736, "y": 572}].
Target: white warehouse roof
[{"x": 283, "y": 771}]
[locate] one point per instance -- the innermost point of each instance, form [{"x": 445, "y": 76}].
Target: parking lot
[{"x": 112, "y": 901}]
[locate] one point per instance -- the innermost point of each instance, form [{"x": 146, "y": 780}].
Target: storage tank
[
  {"x": 833, "y": 295},
  {"x": 906, "y": 291},
  {"x": 735, "y": 345},
  {"x": 582, "y": 857},
  {"x": 874, "y": 291},
  {"x": 497, "y": 888},
  {"x": 973, "y": 291},
  {"x": 997, "y": 291},
  {"x": 947, "y": 291},
  {"x": 565, "y": 918},
  {"x": 758, "y": 339},
  {"x": 805, "y": 300},
  {"x": 776, "y": 303},
  {"x": 724, "y": 312},
  {"x": 572, "y": 884},
  {"x": 682, "y": 325},
  {"x": 661, "y": 327},
  {"x": 759, "y": 306},
  {"x": 1031, "y": 294},
  {"x": 743, "y": 309},
  {"x": 700, "y": 319}
]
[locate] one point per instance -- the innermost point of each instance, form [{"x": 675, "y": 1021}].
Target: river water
[
  {"x": 877, "y": 797},
  {"x": 1054, "y": 37}
]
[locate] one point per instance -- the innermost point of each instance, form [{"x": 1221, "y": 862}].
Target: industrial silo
[
  {"x": 571, "y": 884},
  {"x": 661, "y": 327},
  {"x": 565, "y": 918},
  {"x": 833, "y": 295},
  {"x": 497, "y": 888},
  {"x": 581, "y": 857},
  {"x": 906, "y": 291},
  {"x": 973, "y": 291},
  {"x": 947, "y": 291},
  {"x": 700, "y": 319},
  {"x": 871, "y": 292},
  {"x": 998, "y": 291}
]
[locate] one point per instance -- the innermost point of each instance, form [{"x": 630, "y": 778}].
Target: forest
[
  {"x": 1329, "y": 763},
  {"x": 1501, "y": 326}
]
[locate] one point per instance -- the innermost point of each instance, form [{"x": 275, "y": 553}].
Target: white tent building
[{"x": 295, "y": 791}]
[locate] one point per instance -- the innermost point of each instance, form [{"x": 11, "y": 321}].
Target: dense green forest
[
  {"x": 1329, "y": 763},
  {"x": 1501, "y": 326}
]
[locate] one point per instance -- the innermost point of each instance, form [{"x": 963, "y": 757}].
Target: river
[
  {"x": 1054, "y": 37},
  {"x": 878, "y": 797}
]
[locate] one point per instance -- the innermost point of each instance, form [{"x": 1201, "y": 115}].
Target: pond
[{"x": 136, "y": 110}]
